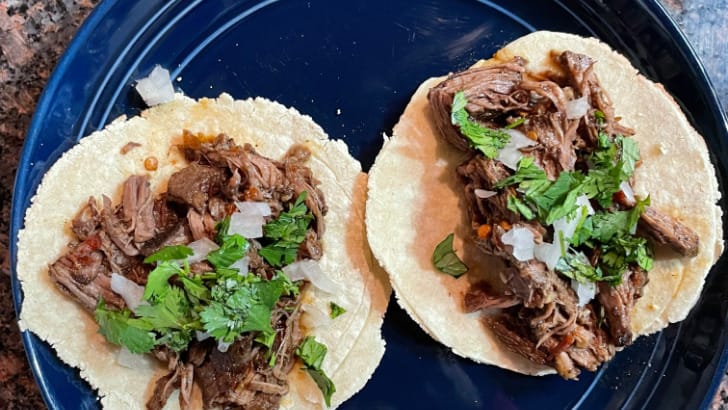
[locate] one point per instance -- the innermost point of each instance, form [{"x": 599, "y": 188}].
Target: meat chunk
[
  {"x": 617, "y": 302},
  {"x": 669, "y": 231},
  {"x": 138, "y": 207},
  {"x": 194, "y": 185},
  {"x": 83, "y": 274},
  {"x": 491, "y": 91}
]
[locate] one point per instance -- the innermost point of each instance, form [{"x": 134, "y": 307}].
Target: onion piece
[
  {"x": 577, "y": 108},
  {"x": 254, "y": 208},
  {"x": 242, "y": 265},
  {"x": 314, "y": 317},
  {"x": 484, "y": 194},
  {"x": 130, "y": 291},
  {"x": 156, "y": 88},
  {"x": 567, "y": 226},
  {"x": 310, "y": 270},
  {"x": 247, "y": 225},
  {"x": 200, "y": 336},
  {"x": 548, "y": 253},
  {"x": 585, "y": 292},
  {"x": 628, "y": 192},
  {"x": 511, "y": 154},
  {"x": 521, "y": 239},
  {"x": 223, "y": 346},
  {"x": 200, "y": 249}
]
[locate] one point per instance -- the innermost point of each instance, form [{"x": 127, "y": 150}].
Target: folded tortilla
[
  {"x": 96, "y": 166},
  {"x": 415, "y": 200}
]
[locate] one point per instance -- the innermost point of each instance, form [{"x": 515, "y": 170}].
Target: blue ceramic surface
[{"x": 352, "y": 66}]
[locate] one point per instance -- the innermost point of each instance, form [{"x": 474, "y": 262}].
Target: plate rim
[{"x": 658, "y": 13}]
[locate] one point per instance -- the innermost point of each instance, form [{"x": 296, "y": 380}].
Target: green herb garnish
[
  {"x": 486, "y": 140},
  {"x": 446, "y": 260},
  {"x": 169, "y": 253},
  {"x": 336, "y": 310},
  {"x": 312, "y": 353},
  {"x": 286, "y": 233}
]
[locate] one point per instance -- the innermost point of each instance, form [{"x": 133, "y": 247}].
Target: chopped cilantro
[
  {"x": 486, "y": 140},
  {"x": 286, "y": 233},
  {"x": 609, "y": 230},
  {"x": 119, "y": 328},
  {"x": 336, "y": 310},
  {"x": 312, "y": 353},
  {"x": 233, "y": 248},
  {"x": 242, "y": 304},
  {"x": 158, "y": 280},
  {"x": 169, "y": 253},
  {"x": 517, "y": 205},
  {"x": 446, "y": 260}
]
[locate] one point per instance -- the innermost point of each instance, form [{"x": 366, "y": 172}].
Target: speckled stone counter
[{"x": 33, "y": 35}]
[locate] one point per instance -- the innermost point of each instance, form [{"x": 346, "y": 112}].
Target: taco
[
  {"x": 582, "y": 206},
  {"x": 223, "y": 241}
]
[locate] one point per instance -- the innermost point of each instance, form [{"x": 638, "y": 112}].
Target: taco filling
[
  {"x": 208, "y": 276},
  {"x": 549, "y": 191}
]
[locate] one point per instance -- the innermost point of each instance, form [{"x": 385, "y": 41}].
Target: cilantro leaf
[
  {"x": 222, "y": 227},
  {"x": 169, "y": 253},
  {"x": 286, "y": 233},
  {"x": 177, "y": 339},
  {"x": 119, "y": 328},
  {"x": 217, "y": 322},
  {"x": 243, "y": 305},
  {"x": 517, "y": 205},
  {"x": 158, "y": 280},
  {"x": 232, "y": 249},
  {"x": 172, "y": 312},
  {"x": 336, "y": 310},
  {"x": 630, "y": 154},
  {"x": 312, "y": 353},
  {"x": 446, "y": 260},
  {"x": 486, "y": 140},
  {"x": 324, "y": 384}
]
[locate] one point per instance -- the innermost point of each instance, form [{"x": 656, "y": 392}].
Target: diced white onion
[
  {"x": 254, "y": 208},
  {"x": 628, "y": 191},
  {"x": 482, "y": 193},
  {"x": 242, "y": 265},
  {"x": 156, "y": 88},
  {"x": 521, "y": 239},
  {"x": 200, "y": 336},
  {"x": 567, "y": 224},
  {"x": 577, "y": 108},
  {"x": 548, "y": 253},
  {"x": 131, "y": 292},
  {"x": 128, "y": 359},
  {"x": 222, "y": 346},
  {"x": 583, "y": 200},
  {"x": 313, "y": 317},
  {"x": 247, "y": 225},
  {"x": 310, "y": 270},
  {"x": 584, "y": 291},
  {"x": 511, "y": 154},
  {"x": 200, "y": 249}
]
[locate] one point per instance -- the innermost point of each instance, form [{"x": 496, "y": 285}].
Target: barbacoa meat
[
  {"x": 116, "y": 238},
  {"x": 537, "y": 311}
]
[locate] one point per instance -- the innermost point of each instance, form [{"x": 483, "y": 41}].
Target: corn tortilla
[
  {"x": 415, "y": 201},
  {"x": 96, "y": 166}
]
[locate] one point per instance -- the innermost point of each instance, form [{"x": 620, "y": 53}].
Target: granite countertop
[{"x": 33, "y": 35}]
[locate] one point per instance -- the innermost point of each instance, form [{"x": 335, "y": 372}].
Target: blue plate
[{"x": 352, "y": 66}]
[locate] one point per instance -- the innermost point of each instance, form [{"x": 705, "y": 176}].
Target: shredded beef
[
  {"x": 669, "y": 231},
  {"x": 540, "y": 317},
  {"x": 490, "y": 91},
  {"x": 116, "y": 238}
]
